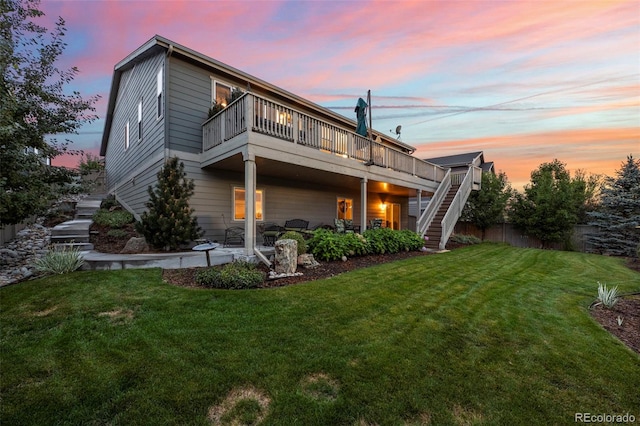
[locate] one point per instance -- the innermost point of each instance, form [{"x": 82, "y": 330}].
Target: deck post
[
  {"x": 249, "y": 203},
  {"x": 363, "y": 204},
  {"x": 419, "y": 206}
]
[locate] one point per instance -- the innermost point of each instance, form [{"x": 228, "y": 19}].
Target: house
[{"x": 267, "y": 157}]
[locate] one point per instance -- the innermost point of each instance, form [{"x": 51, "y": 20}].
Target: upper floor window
[
  {"x": 221, "y": 93},
  {"x": 159, "y": 92},
  {"x": 140, "y": 120}
]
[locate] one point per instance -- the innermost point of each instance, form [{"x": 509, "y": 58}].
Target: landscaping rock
[
  {"x": 307, "y": 261},
  {"x": 286, "y": 261},
  {"x": 135, "y": 245}
]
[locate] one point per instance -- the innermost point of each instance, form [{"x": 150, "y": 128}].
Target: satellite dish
[{"x": 397, "y": 132}]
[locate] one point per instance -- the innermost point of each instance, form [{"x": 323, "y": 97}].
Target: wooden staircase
[{"x": 434, "y": 232}]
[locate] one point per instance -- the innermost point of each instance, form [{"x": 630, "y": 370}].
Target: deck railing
[{"x": 279, "y": 121}]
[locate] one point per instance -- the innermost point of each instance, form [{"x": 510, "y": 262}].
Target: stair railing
[
  {"x": 425, "y": 219},
  {"x": 455, "y": 208}
]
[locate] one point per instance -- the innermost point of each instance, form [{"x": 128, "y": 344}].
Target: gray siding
[
  {"x": 188, "y": 104},
  {"x": 130, "y": 171}
]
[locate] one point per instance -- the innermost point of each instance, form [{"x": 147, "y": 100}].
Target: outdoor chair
[
  {"x": 375, "y": 223},
  {"x": 234, "y": 236},
  {"x": 299, "y": 225},
  {"x": 270, "y": 233}
]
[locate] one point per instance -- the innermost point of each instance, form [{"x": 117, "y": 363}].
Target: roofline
[{"x": 180, "y": 50}]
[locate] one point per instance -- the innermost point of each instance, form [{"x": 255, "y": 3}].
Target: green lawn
[{"x": 488, "y": 334}]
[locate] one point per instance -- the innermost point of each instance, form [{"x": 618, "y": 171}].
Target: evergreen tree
[
  {"x": 33, "y": 105},
  {"x": 618, "y": 217},
  {"x": 550, "y": 205},
  {"x": 169, "y": 222},
  {"x": 486, "y": 207}
]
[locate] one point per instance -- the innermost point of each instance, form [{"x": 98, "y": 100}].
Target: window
[
  {"x": 140, "y": 120},
  {"x": 221, "y": 93},
  {"x": 239, "y": 204},
  {"x": 345, "y": 208},
  {"x": 159, "y": 92},
  {"x": 126, "y": 136}
]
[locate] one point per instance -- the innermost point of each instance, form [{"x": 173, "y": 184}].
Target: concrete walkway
[{"x": 189, "y": 259}]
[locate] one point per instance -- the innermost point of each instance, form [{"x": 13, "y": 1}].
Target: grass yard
[{"x": 488, "y": 334}]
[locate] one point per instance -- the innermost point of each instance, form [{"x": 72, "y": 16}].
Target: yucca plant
[
  {"x": 60, "y": 261},
  {"x": 607, "y": 297}
]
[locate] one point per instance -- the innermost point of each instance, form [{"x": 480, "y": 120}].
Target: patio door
[{"x": 393, "y": 215}]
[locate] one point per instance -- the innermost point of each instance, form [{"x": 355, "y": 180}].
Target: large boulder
[
  {"x": 135, "y": 245},
  {"x": 286, "y": 260}
]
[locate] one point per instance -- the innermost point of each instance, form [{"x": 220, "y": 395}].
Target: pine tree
[
  {"x": 618, "y": 218},
  {"x": 169, "y": 222}
]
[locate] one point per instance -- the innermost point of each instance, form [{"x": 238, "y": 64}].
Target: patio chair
[
  {"x": 270, "y": 233},
  {"x": 299, "y": 225},
  {"x": 340, "y": 228},
  {"x": 375, "y": 223},
  {"x": 233, "y": 236}
]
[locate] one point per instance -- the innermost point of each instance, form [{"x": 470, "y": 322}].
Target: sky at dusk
[{"x": 523, "y": 81}]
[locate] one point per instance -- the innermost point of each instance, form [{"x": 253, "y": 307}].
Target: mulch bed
[{"x": 627, "y": 309}]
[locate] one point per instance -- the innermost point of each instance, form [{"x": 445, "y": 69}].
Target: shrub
[
  {"x": 112, "y": 219},
  {"x": 327, "y": 245},
  {"x": 293, "y": 235},
  {"x": 60, "y": 262},
  {"x": 235, "y": 275},
  {"x": 382, "y": 240},
  {"x": 410, "y": 240},
  {"x": 109, "y": 202},
  {"x": 354, "y": 244},
  {"x": 465, "y": 239},
  {"x": 607, "y": 297}
]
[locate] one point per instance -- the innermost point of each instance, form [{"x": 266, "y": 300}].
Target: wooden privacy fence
[{"x": 507, "y": 233}]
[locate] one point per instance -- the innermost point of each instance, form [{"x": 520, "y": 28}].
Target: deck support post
[
  {"x": 363, "y": 204},
  {"x": 249, "y": 204}
]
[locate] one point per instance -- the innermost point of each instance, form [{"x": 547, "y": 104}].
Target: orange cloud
[{"x": 596, "y": 151}]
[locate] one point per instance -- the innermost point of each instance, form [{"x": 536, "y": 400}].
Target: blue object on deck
[{"x": 361, "y": 113}]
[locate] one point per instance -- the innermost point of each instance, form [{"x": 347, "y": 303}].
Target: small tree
[
  {"x": 618, "y": 217},
  {"x": 550, "y": 205},
  {"x": 34, "y": 103},
  {"x": 169, "y": 222},
  {"x": 486, "y": 207}
]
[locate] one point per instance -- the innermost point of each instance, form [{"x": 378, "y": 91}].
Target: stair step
[
  {"x": 77, "y": 246},
  {"x": 78, "y": 238}
]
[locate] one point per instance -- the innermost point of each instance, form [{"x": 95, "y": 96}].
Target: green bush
[
  {"x": 354, "y": 244},
  {"x": 109, "y": 202},
  {"x": 465, "y": 239},
  {"x": 112, "y": 219},
  {"x": 327, "y": 245},
  {"x": 382, "y": 240},
  {"x": 232, "y": 276},
  {"x": 410, "y": 240},
  {"x": 293, "y": 235},
  {"x": 60, "y": 262}
]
